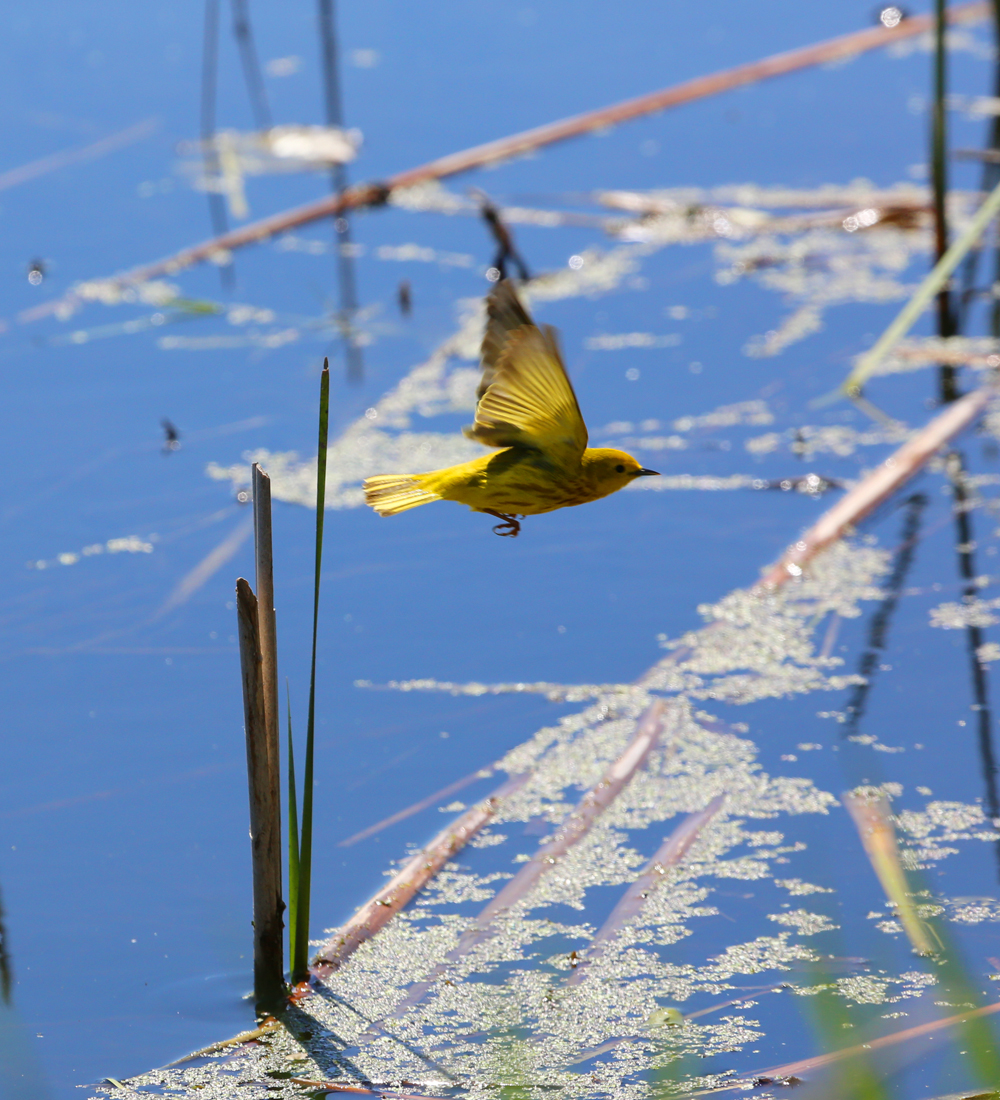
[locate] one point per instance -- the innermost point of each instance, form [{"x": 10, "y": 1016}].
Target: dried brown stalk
[
  {"x": 669, "y": 855},
  {"x": 821, "y": 1060},
  {"x": 268, "y": 974},
  {"x": 878, "y": 486},
  {"x": 873, "y": 819},
  {"x": 261, "y": 486},
  {"x": 480, "y": 156},
  {"x": 267, "y": 1026},
  {"x": 377, "y": 913}
]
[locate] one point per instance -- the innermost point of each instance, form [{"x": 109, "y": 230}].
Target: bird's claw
[{"x": 510, "y": 528}]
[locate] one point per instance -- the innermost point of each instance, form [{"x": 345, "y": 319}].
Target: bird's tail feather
[{"x": 389, "y": 494}]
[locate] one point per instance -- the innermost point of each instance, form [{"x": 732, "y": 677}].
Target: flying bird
[{"x": 527, "y": 409}]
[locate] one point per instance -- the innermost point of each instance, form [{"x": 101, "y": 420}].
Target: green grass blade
[
  {"x": 293, "y": 843},
  {"x": 922, "y": 297},
  {"x": 300, "y": 964}
]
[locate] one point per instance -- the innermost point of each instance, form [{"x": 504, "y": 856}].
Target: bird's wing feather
[{"x": 525, "y": 397}]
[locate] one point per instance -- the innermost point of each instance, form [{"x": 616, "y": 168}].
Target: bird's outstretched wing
[{"x": 525, "y": 396}]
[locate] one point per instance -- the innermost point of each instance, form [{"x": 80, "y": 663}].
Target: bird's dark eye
[{"x": 620, "y": 468}]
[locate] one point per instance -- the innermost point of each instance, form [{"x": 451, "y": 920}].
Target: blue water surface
[{"x": 124, "y": 863}]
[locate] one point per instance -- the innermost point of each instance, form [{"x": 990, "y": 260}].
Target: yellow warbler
[{"x": 527, "y": 407}]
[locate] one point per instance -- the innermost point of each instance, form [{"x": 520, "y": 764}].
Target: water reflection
[
  {"x": 6, "y": 978},
  {"x": 878, "y": 631},
  {"x": 338, "y": 182},
  {"x": 965, "y": 549},
  {"x": 209, "y": 84}
]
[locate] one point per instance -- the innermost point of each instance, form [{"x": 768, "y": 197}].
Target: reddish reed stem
[
  {"x": 878, "y": 486},
  {"x": 670, "y": 854},
  {"x": 377, "y": 913}
]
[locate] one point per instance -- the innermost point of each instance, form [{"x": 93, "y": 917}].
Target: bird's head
[{"x": 612, "y": 470}]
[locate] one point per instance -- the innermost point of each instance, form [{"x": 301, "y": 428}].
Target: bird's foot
[{"x": 510, "y": 528}]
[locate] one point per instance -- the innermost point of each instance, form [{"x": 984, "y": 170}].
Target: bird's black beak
[{"x": 647, "y": 473}]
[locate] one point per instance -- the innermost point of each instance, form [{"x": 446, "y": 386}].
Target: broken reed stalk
[
  {"x": 300, "y": 955},
  {"x": 493, "y": 152},
  {"x": 873, "y": 820},
  {"x": 376, "y": 914},
  {"x": 806, "y": 1065},
  {"x": 268, "y": 974},
  {"x": 947, "y": 390},
  {"x": 669, "y": 855},
  {"x": 878, "y": 486},
  {"x": 933, "y": 283},
  {"x": 267, "y": 631}
]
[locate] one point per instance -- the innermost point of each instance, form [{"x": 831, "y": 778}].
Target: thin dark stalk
[
  {"x": 6, "y": 974},
  {"x": 995, "y": 145},
  {"x": 209, "y": 84},
  {"x": 300, "y": 964},
  {"x": 975, "y": 637},
  {"x": 293, "y": 844},
  {"x": 334, "y": 105},
  {"x": 251, "y": 67},
  {"x": 990, "y": 178},
  {"x": 947, "y": 390}
]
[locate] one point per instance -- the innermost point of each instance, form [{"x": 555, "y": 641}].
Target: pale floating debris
[
  {"x": 796, "y": 887},
  {"x": 916, "y": 353},
  {"x": 931, "y": 832},
  {"x": 973, "y": 910},
  {"x": 976, "y": 106},
  {"x": 804, "y": 922},
  {"x": 268, "y": 340},
  {"x": 554, "y": 692},
  {"x": 290, "y": 148},
  {"x": 283, "y": 66},
  {"x": 291, "y": 242},
  {"x": 957, "y": 40},
  {"x": 837, "y": 439},
  {"x": 958, "y": 616},
  {"x": 654, "y": 443},
  {"x": 410, "y": 253},
  {"x": 110, "y": 292},
  {"x": 364, "y": 58},
  {"x": 616, "y": 341},
  {"x": 130, "y": 544},
  {"x": 699, "y": 482},
  {"x": 858, "y": 193},
  {"x": 754, "y": 412},
  {"x": 241, "y": 314}
]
